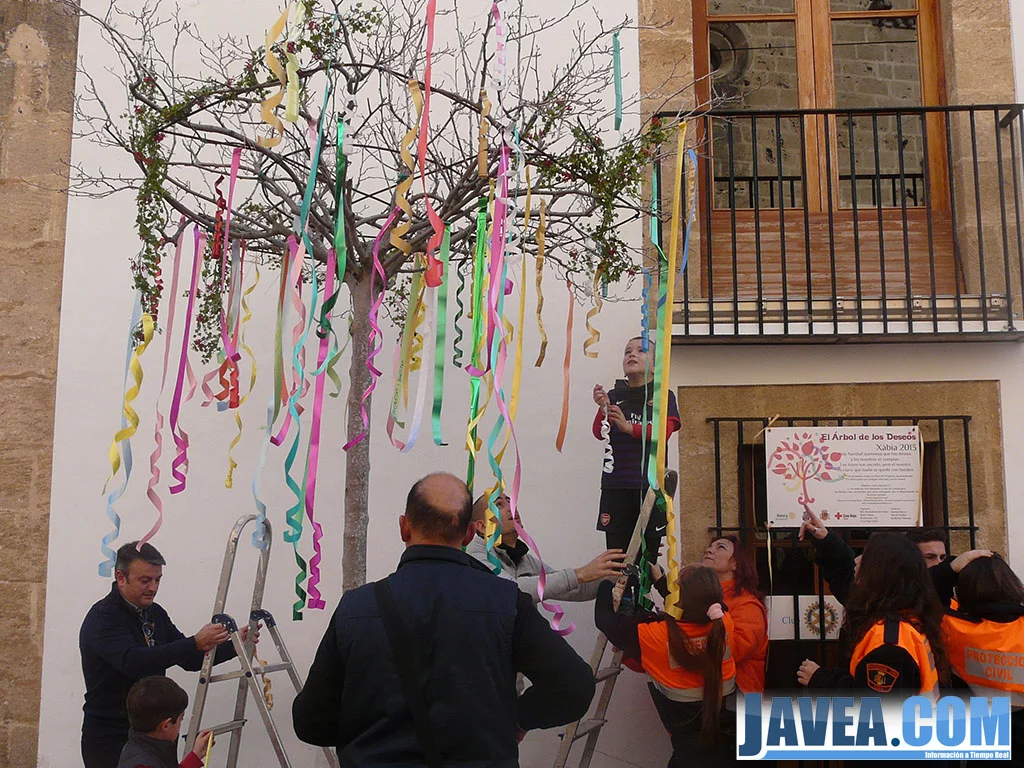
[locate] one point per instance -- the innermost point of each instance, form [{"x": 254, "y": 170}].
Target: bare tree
[{"x": 192, "y": 101}]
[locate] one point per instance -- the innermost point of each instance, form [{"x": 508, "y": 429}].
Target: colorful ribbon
[
  {"x": 473, "y": 368},
  {"x": 433, "y": 272},
  {"x": 594, "y": 335},
  {"x": 106, "y": 567},
  {"x": 481, "y": 159},
  {"x": 662, "y": 366},
  {"x": 246, "y": 317},
  {"x": 560, "y": 439},
  {"x": 440, "y": 342},
  {"x": 158, "y": 440},
  {"x": 179, "y": 465},
  {"x": 541, "y": 230},
  {"x": 273, "y": 101},
  {"x": 316, "y": 601},
  {"x": 297, "y": 15},
  {"x": 259, "y": 537},
  {"x": 617, "y": 73}
]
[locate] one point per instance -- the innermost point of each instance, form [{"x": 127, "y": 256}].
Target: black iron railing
[{"x": 866, "y": 224}]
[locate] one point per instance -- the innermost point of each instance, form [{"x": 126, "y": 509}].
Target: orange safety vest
[
  {"x": 659, "y": 664},
  {"x": 986, "y": 653},
  {"x": 906, "y": 636}
]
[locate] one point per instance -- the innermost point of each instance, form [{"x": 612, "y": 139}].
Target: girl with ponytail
[{"x": 689, "y": 665}]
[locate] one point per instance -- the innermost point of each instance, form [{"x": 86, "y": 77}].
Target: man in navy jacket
[
  {"x": 470, "y": 631},
  {"x": 125, "y": 637}
]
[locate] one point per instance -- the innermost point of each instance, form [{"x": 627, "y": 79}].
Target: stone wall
[{"x": 38, "y": 47}]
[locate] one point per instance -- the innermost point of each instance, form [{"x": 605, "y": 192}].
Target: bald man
[
  {"x": 522, "y": 566},
  {"x": 420, "y": 668}
]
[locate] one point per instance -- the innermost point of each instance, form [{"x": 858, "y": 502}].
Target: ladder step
[
  {"x": 234, "y": 725},
  {"x": 606, "y": 672},
  {"x": 587, "y": 726},
  {"x": 257, "y": 669}
]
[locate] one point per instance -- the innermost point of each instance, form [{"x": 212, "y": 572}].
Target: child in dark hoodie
[{"x": 156, "y": 707}]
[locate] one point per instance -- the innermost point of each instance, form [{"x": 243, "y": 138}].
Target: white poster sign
[{"x": 849, "y": 476}]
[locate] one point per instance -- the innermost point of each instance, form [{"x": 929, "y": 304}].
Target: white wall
[{"x": 559, "y": 498}]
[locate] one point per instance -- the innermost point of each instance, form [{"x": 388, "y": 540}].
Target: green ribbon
[
  {"x": 617, "y": 67},
  {"x": 477, "y": 335},
  {"x": 456, "y": 349},
  {"x": 440, "y": 340}
]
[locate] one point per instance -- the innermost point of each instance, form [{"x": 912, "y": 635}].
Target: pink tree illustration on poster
[{"x": 802, "y": 461}]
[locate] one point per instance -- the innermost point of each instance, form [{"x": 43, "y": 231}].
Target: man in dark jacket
[
  {"x": 125, "y": 637},
  {"x": 462, "y": 635}
]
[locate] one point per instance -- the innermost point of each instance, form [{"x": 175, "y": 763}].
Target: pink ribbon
[
  {"x": 315, "y": 599},
  {"x": 179, "y": 466},
  {"x": 296, "y": 257},
  {"x": 154, "y": 469}
]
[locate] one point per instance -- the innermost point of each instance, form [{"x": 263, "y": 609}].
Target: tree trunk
[{"x": 357, "y": 460}]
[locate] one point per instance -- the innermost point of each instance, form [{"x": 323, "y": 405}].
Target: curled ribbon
[
  {"x": 473, "y": 368},
  {"x": 158, "y": 440},
  {"x": 273, "y": 101},
  {"x": 246, "y": 317},
  {"x": 456, "y": 349},
  {"x": 297, "y": 13},
  {"x": 664, "y": 356},
  {"x": 106, "y": 567},
  {"x": 595, "y": 335},
  {"x": 316, "y": 601},
  {"x": 441, "y": 338},
  {"x": 541, "y": 229},
  {"x": 560, "y": 439},
  {"x": 485, "y": 110},
  {"x": 617, "y": 74},
  {"x": 433, "y": 273},
  {"x": 179, "y": 465}
]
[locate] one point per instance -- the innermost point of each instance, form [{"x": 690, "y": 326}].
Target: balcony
[{"x": 816, "y": 226}]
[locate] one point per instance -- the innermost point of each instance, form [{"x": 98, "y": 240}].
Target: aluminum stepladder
[
  {"x": 247, "y": 673},
  {"x": 590, "y": 727}
]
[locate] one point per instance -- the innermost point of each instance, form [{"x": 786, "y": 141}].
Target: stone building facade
[{"x": 38, "y": 48}]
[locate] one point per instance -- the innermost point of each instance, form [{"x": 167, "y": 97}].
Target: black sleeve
[
  {"x": 110, "y": 641},
  {"x": 892, "y": 669},
  {"x": 316, "y": 710},
  {"x": 837, "y": 563},
  {"x": 620, "y": 630},
  {"x": 562, "y": 684},
  {"x": 662, "y": 586},
  {"x": 944, "y": 578}
]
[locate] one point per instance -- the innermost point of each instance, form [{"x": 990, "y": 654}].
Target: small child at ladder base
[
  {"x": 627, "y": 407},
  {"x": 156, "y": 706}
]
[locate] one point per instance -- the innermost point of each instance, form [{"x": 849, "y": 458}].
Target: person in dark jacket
[
  {"x": 467, "y": 634},
  {"x": 156, "y": 707},
  {"x": 892, "y": 622},
  {"x": 127, "y": 636}
]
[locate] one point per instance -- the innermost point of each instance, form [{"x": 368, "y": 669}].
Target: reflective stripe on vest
[
  {"x": 659, "y": 664},
  {"x": 907, "y": 637},
  {"x": 986, "y": 653}
]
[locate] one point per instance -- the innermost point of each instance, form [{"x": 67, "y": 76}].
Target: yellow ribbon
[
  {"x": 246, "y": 317},
  {"x": 131, "y": 416},
  {"x": 398, "y": 231},
  {"x": 291, "y": 102},
  {"x": 595, "y": 335},
  {"x": 273, "y": 101},
  {"x": 665, "y": 350},
  {"x": 485, "y": 110},
  {"x": 541, "y": 229}
]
